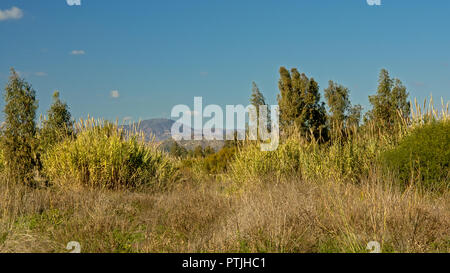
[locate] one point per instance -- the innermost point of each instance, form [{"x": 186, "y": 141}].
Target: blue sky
[{"x": 157, "y": 54}]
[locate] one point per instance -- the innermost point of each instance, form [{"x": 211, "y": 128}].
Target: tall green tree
[
  {"x": 343, "y": 114},
  {"x": 300, "y": 105},
  {"x": 337, "y": 97},
  {"x": 257, "y": 99},
  {"x": 19, "y": 130},
  {"x": 389, "y": 105},
  {"x": 354, "y": 116},
  {"x": 58, "y": 125}
]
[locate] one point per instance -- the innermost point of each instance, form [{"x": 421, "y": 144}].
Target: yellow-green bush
[
  {"x": 349, "y": 160},
  {"x": 352, "y": 159},
  {"x": 104, "y": 156},
  {"x": 419, "y": 153},
  {"x": 218, "y": 162},
  {"x": 253, "y": 165}
]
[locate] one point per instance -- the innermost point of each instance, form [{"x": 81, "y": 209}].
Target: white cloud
[
  {"x": 115, "y": 94},
  {"x": 73, "y": 2},
  {"x": 41, "y": 74},
  {"x": 13, "y": 13},
  {"x": 418, "y": 84},
  {"x": 77, "y": 52}
]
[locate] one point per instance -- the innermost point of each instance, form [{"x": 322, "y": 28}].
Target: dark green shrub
[
  {"x": 218, "y": 162},
  {"x": 176, "y": 150},
  {"x": 422, "y": 157}
]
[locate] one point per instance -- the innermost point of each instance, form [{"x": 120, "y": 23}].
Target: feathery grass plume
[
  {"x": 355, "y": 155},
  {"x": 348, "y": 160},
  {"x": 422, "y": 115},
  {"x": 104, "y": 155}
]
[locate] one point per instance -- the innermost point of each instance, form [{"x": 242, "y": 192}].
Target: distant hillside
[
  {"x": 159, "y": 128},
  {"x": 192, "y": 144}
]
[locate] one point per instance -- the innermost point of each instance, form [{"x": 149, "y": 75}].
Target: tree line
[
  {"x": 22, "y": 142},
  {"x": 301, "y": 112}
]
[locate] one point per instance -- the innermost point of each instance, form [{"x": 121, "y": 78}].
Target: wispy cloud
[
  {"x": 13, "y": 13},
  {"x": 115, "y": 94},
  {"x": 41, "y": 74},
  {"x": 73, "y": 2},
  {"x": 77, "y": 52},
  {"x": 418, "y": 84},
  {"x": 204, "y": 73}
]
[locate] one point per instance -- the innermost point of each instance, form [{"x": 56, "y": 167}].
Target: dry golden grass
[
  {"x": 321, "y": 199},
  {"x": 294, "y": 216}
]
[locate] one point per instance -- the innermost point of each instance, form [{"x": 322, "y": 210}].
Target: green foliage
[
  {"x": 257, "y": 99},
  {"x": 354, "y": 116},
  {"x": 343, "y": 115},
  {"x": 124, "y": 241},
  {"x": 198, "y": 151},
  {"x": 253, "y": 165},
  {"x": 219, "y": 162},
  {"x": 350, "y": 160},
  {"x": 58, "y": 125},
  {"x": 390, "y": 105},
  {"x": 176, "y": 150},
  {"x": 19, "y": 130},
  {"x": 422, "y": 157},
  {"x": 2, "y": 161},
  {"x": 208, "y": 151},
  {"x": 102, "y": 156},
  {"x": 338, "y": 101},
  {"x": 300, "y": 106}
]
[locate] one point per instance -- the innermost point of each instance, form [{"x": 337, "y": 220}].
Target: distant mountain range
[{"x": 160, "y": 129}]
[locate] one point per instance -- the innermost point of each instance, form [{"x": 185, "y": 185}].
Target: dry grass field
[{"x": 291, "y": 216}]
